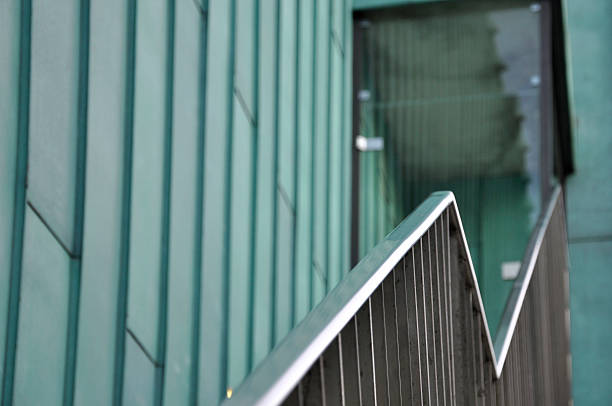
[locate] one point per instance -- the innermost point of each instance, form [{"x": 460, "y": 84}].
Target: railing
[{"x": 407, "y": 326}]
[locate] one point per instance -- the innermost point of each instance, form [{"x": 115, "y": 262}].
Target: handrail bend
[{"x": 274, "y": 379}]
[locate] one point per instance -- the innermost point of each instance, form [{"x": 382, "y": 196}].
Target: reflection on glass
[{"x": 455, "y": 93}]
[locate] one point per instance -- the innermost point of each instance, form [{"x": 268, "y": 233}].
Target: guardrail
[{"x": 407, "y": 326}]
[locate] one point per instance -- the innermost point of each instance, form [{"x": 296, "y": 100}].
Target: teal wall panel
[
  {"x": 147, "y": 175},
  {"x": 9, "y": 80},
  {"x": 321, "y": 150},
  {"x": 186, "y": 207},
  {"x": 589, "y": 198},
  {"x": 43, "y": 320},
  {"x": 266, "y": 190},
  {"x": 590, "y": 308},
  {"x": 334, "y": 204},
  {"x": 304, "y": 167},
  {"x": 244, "y": 85},
  {"x": 239, "y": 266},
  {"x": 171, "y": 164},
  {"x": 243, "y": 192},
  {"x": 139, "y": 376},
  {"x": 103, "y": 202},
  {"x": 286, "y": 188},
  {"x": 53, "y": 115},
  {"x": 213, "y": 376},
  {"x": 590, "y": 190},
  {"x": 347, "y": 129}
]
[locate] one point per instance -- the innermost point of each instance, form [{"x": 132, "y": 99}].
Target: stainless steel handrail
[
  {"x": 278, "y": 374},
  {"x": 515, "y": 300}
]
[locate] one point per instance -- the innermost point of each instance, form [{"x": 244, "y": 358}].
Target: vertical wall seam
[
  {"x": 19, "y": 202},
  {"x": 275, "y": 176},
  {"x": 79, "y": 209},
  {"x": 228, "y": 199},
  {"x": 328, "y": 150},
  {"x": 120, "y": 332},
  {"x": 254, "y": 183},
  {"x": 296, "y": 162},
  {"x": 162, "y": 316},
  {"x": 312, "y": 152},
  {"x": 200, "y": 178},
  {"x": 343, "y": 152}
]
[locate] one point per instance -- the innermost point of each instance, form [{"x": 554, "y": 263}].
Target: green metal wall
[
  {"x": 174, "y": 191},
  {"x": 589, "y": 199}
]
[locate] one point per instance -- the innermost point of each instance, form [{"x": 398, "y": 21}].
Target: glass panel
[{"x": 454, "y": 91}]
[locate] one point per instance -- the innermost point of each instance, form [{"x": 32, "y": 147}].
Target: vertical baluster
[
  {"x": 366, "y": 358},
  {"x": 429, "y": 267},
  {"x": 499, "y": 391},
  {"x": 459, "y": 328},
  {"x": 448, "y": 285},
  {"x": 436, "y": 313},
  {"x": 379, "y": 346},
  {"x": 471, "y": 349},
  {"x": 405, "y": 337},
  {"x": 312, "y": 385},
  {"x": 412, "y": 313},
  {"x": 332, "y": 373},
  {"x": 480, "y": 361},
  {"x": 422, "y": 320},
  {"x": 390, "y": 318},
  {"x": 350, "y": 364}
]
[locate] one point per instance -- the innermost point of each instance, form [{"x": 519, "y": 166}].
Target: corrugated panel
[{"x": 190, "y": 189}]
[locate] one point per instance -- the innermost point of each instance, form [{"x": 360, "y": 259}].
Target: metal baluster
[
  {"x": 393, "y": 368},
  {"x": 332, "y": 373},
  {"x": 350, "y": 364},
  {"x": 404, "y": 334},
  {"x": 379, "y": 345},
  {"x": 422, "y": 320},
  {"x": 366, "y": 355},
  {"x": 414, "y": 333}
]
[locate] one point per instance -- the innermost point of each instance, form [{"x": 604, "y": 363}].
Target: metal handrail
[
  {"x": 278, "y": 374},
  {"x": 514, "y": 304}
]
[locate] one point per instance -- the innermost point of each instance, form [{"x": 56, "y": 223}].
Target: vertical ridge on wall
[
  {"x": 9, "y": 100},
  {"x": 19, "y": 205},
  {"x": 344, "y": 176},
  {"x": 275, "y": 198},
  {"x": 126, "y": 196},
  {"x": 254, "y": 184},
  {"x": 225, "y": 288},
  {"x": 303, "y": 267},
  {"x": 328, "y": 150},
  {"x": 296, "y": 161},
  {"x": 162, "y": 322},
  {"x": 311, "y": 266},
  {"x": 79, "y": 204},
  {"x": 321, "y": 149},
  {"x": 242, "y": 193},
  {"x": 199, "y": 202}
]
